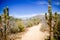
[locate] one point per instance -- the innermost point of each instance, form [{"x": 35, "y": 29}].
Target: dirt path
[{"x": 34, "y": 33}]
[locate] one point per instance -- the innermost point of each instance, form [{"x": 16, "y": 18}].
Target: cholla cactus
[
  {"x": 6, "y": 22},
  {"x": 50, "y": 20}
]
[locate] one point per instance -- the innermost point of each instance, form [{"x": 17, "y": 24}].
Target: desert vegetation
[
  {"x": 10, "y": 25},
  {"x": 53, "y": 22},
  {"x": 14, "y": 25}
]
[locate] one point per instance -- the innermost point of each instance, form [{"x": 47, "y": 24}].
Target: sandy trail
[{"x": 34, "y": 33}]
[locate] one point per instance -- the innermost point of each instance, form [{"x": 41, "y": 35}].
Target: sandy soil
[{"x": 34, "y": 33}]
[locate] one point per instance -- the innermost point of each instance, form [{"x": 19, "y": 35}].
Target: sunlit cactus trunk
[{"x": 50, "y": 19}]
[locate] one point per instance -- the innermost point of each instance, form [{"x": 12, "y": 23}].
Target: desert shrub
[
  {"x": 21, "y": 27},
  {"x": 20, "y": 24},
  {"x": 35, "y": 21},
  {"x": 30, "y": 24},
  {"x": 44, "y": 27},
  {"x": 14, "y": 30}
]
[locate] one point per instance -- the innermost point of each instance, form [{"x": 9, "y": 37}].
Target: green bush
[
  {"x": 30, "y": 24},
  {"x": 21, "y": 27},
  {"x": 14, "y": 30}
]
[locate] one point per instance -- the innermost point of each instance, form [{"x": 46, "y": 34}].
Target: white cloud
[
  {"x": 25, "y": 16},
  {"x": 57, "y": 3},
  {"x": 58, "y": 12},
  {"x": 46, "y": 3},
  {"x": 42, "y": 3}
]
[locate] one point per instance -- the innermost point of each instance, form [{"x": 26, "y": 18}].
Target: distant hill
[{"x": 25, "y": 20}]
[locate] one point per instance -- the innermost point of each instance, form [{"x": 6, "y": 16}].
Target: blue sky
[{"x": 28, "y": 8}]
